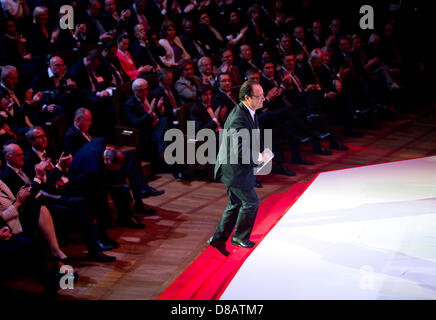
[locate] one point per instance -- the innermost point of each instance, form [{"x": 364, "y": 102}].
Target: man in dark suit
[
  {"x": 239, "y": 178},
  {"x": 92, "y": 84},
  {"x": 145, "y": 49},
  {"x": 224, "y": 100},
  {"x": 95, "y": 173},
  {"x": 78, "y": 135},
  {"x": 166, "y": 91},
  {"x": 143, "y": 115}
]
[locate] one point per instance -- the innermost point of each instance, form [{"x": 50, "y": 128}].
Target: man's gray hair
[
  {"x": 138, "y": 82},
  {"x": 6, "y": 70},
  {"x": 29, "y": 133},
  {"x": 316, "y": 54}
]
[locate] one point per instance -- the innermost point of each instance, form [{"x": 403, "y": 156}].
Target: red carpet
[{"x": 210, "y": 274}]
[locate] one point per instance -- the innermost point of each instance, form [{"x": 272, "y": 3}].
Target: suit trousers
[{"x": 239, "y": 214}]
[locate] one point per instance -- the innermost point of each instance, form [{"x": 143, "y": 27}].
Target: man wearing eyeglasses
[{"x": 238, "y": 176}]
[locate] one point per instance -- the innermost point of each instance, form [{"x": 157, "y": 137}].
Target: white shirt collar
[
  {"x": 252, "y": 113},
  {"x": 39, "y": 153},
  {"x": 50, "y": 73}
]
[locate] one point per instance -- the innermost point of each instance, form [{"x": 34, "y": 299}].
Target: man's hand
[
  {"x": 102, "y": 94},
  {"x": 52, "y": 108},
  {"x": 265, "y": 156},
  {"x": 64, "y": 161},
  {"x": 160, "y": 106},
  {"x": 40, "y": 169},
  {"x": 5, "y": 233},
  {"x": 272, "y": 94}
]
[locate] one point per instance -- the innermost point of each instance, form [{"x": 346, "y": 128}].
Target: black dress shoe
[
  {"x": 257, "y": 184},
  {"x": 179, "y": 176},
  {"x": 99, "y": 257},
  {"x": 243, "y": 244},
  {"x": 282, "y": 170},
  {"x": 106, "y": 241},
  {"x": 151, "y": 192},
  {"x": 102, "y": 247},
  {"x": 144, "y": 209},
  {"x": 337, "y": 146},
  {"x": 301, "y": 161},
  {"x": 219, "y": 245},
  {"x": 321, "y": 151},
  {"x": 131, "y": 223}
]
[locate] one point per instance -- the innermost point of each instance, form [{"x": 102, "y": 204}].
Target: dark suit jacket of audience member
[
  {"x": 30, "y": 160},
  {"x": 141, "y": 55},
  {"x": 208, "y": 38},
  {"x": 73, "y": 140},
  {"x": 109, "y": 70},
  {"x": 158, "y": 93},
  {"x": 80, "y": 76},
  {"x": 14, "y": 181},
  {"x": 338, "y": 60},
  {"x": 220, "y": 99},
  {"x": 16, "y": 122},
  {"x": 109, "y": 23},
  {"x": 136, "y": 114},
  {"x": 201, "y": 117}
]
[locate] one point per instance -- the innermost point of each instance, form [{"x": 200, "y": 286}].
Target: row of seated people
[{"x": 40, "y": 195}]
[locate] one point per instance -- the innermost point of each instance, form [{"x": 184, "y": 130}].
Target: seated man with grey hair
[
  {"x": 143, "y": 115},
  {"x": 205, "y": 68}
]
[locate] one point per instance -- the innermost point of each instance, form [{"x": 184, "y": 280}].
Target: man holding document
[{"x": 239, "y": 159}]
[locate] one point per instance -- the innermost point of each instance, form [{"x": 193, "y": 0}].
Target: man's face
[
  {"x": 188, "y": 71},
  {"x": 39, "y": 140},
  {"x": 16, "y": 156},
  {"x": 256, "y": 100},
  {"x": 254, "y": 77},
  {"x": 205, "y": 19},
  {"x": 299, "y": 33},
  {"x": 268, "y": 70},
  {"x": 140, "y": 32},
  {"x": 245, "y": 52},
  {"x": 327, "y": 57},
  {"x": 96, "y": 9},
  {"x": 110, "y": 6},
  {"x": 335, "y": 26},
  {"x": 167, "y": 80},
  {"x": 227, "y": 57},
  {"x": 11, "y": 28},
  {"x": 57, "y": 66},
  {"x": 142, "y": 91},
  {"x": 206, "y": 98},
  {"x": 206, "y": 67},
  {"x": 317, "y": 28},
  {"x": 234, "y": 18},
  {"x": 344, "y": 45},
  {"x": 225, "y": 82},
  {"x": 285, "y": 42},
  {"x": 289, "y": 62},
  {"x": 85, "y": 122},
  {"x": 189, "y": 27},
  {"x": 11, "y": 80}
]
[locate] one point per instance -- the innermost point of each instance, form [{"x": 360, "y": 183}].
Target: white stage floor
[{"x": 361, "y": 233}]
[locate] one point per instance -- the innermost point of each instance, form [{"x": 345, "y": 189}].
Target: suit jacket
[
  {"x": 14, "y": 181},
  {"x": 136, "y": 114},
  {"x": 238, "y": 175},
  {"x": 88, "y": 161},
  {"x": 158, "y": 93},
  {"x": 201, "y": 117},
  {"x": 141, "y": 55},
  {"x": 73, "y": 140},
  {"x": 220, "y": 99},
  {"x": 79, "y": 74},
  {"x": 338, "y": 60}
]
